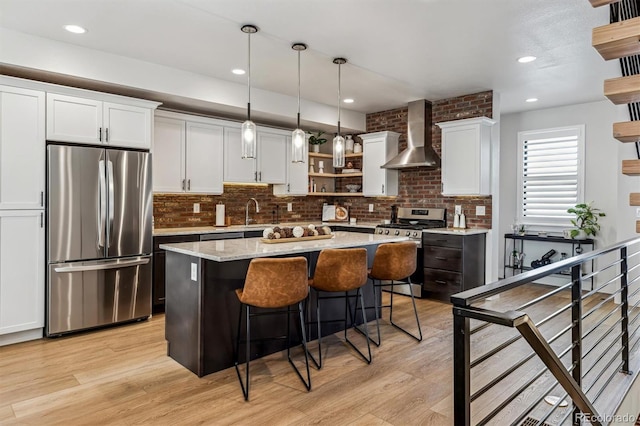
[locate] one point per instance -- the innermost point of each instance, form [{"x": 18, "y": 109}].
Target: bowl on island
[{"x": 352, "y": 187}]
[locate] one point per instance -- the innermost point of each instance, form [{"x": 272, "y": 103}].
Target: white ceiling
[{"x": 398, "y": 50}]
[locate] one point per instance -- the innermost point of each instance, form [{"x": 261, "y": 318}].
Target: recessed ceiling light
[
  {"x": 532, "y": 100},
  {"x": 238, "y": 71},
  {"x": 76, "y": 29},
  {"x": 348, "y": 101},
  {"x": 526, "y": 59}
]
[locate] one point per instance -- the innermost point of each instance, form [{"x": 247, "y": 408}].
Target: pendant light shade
[
  {"x": 338, "y": 141},
  {"x": 248, "y": 132},
  {"x": 298, "y": 142}
]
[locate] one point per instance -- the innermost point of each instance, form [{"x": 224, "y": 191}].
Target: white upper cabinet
[
  {"x": 466, "y": 156},
  {"x": 127, "y": 125},
  {"x": 272, "y": 157},
  {"x": 22, "y": 262},
  {"x": 22, "y": 148},
  {"x": 268, "y": 167},
  {"x": 187, "y": 154},
  {"x": 169, "y": 146},
  {"x": 297, "y": 181},
  {"x": 377, "y": 149},
  {"x": 236, "y": 168},
  {"x": 95, "y": 121},
  {"x": 205, "y": 144}
]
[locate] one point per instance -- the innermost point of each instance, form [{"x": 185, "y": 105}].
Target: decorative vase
[
  {"x": 582, "y": 235},
  {"x": 315, "y": 148},
  {"x": 348, "y": 145}
]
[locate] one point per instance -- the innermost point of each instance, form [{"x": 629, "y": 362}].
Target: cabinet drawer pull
[
  {"x": 440, "y": 258},
  {"x": 441, "y": 282}
]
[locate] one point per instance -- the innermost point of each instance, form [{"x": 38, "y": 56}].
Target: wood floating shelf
[
  {"x": 323, "y": 155},
  {"x": 634, "y": 199},
  {"x": 627, "y": 131},
  {"x": 623, "y": 90},
  {"x": 598, "y": 3},
  {"x": 617, "y": 40},
  {"x": 336, "y": 194},
  {"x": 335, "y": 175},
  {"x": 631, "y": 167},
  {"x": 638, "y": 226}
]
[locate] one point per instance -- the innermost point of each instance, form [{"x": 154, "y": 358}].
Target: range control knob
[
  {"x": 415, "y": 234},
  {"x": 386, "y": 232},
  {"x": 397, "y": 232},
  {"x": 408, "y": 233},
  {"x": 380, "y": 231}
]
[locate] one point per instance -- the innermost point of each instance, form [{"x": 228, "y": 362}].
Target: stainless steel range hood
[{"x": 419, "y": 152}]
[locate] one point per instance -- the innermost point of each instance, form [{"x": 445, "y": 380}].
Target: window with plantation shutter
[{"x": 550, "y": 170}]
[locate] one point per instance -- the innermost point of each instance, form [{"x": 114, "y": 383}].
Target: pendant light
[
  {"x": 248, "y": 130},
  {"x": 298, "y": 143},
  {"x": 338, "y": 141}
]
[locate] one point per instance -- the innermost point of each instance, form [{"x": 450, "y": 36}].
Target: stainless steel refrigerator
[{"x": 99, "y": 208}]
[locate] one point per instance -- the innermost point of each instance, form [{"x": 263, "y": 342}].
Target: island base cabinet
[
  {"x": 21, "y": 274},
  {"x": 202, "y": 312}
]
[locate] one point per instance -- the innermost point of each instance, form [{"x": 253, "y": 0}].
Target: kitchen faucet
[{"x": 246, "y": 211}]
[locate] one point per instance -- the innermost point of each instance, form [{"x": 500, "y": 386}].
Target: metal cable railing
[{"x": 593, "y": 343}]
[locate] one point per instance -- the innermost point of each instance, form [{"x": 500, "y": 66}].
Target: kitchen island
[{"x": 202, "y": 309}]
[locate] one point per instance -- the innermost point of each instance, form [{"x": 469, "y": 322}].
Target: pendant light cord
[
  {"x": 249, "y": 76},
  {"x": 298, "y": 89},
  {"x": 339, "y": 82}
]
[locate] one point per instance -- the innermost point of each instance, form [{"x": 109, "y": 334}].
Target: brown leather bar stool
[
  {"x": 273, "y": 284},
  {"x": 393, "y": 262},
  {"x": 340, "y": 270}
]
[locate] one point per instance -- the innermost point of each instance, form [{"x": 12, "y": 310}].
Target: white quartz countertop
[
  {"x": 451, "y": 231},
  {"x": 254, "y": 227},
  {"x": 249, "y": 248}
]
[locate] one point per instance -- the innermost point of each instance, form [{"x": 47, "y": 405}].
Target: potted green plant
[
  {"x": 316, "y": 139},
  {"x": 586, "y": 221}
]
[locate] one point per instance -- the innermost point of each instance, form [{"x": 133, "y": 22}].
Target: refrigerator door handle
[
  {"x": 101, "y": 266},
  {"x": 110, "y": 200},
  {"x": 102, "y": 207}
]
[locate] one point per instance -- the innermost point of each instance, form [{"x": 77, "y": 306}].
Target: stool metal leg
[
  {"x": 376, "y": 308},
  {"x": 366, "y": 329},
  {"x": 318, "y": 362},
  {"x": 415, "y": 313},
  {"x": 245, "y": 388},
  {"x": 307, "y": 383}
]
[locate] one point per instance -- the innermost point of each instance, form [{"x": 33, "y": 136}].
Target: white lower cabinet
[
  {"x": 377, "y": 149},
  {"x": 187, "y": 155},
  {"x": 22, "y": 263}
]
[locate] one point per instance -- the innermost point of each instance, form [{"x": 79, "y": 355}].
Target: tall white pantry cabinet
[{"x": 22, "y": 192}]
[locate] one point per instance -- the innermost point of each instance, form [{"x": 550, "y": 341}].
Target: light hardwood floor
[{"x": 123, "y": 376}]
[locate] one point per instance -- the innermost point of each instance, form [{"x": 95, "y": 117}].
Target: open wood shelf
[
  {"x": 623, "y": 90},
  {"x": 627, "y": 131},
  {"x": 323, "y": 155},
  {"x": 598, "y": 3},
  {"x": 617, "y": 40},
  {"x": 335, "y": 175},
  {"x": 336, "y": 194},
  {"x": 631, "y": 167},
  {"x": 638, "y": 226},
  {"x": 634, "y": 199}
]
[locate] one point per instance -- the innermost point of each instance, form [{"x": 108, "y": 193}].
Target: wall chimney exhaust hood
[{"x": 419, "y": 152}]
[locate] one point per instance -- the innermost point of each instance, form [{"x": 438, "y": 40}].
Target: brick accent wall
[{"x": 418, "y": 187}]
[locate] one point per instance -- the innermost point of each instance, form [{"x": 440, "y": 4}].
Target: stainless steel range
[{"x": 410, "y": 223}]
